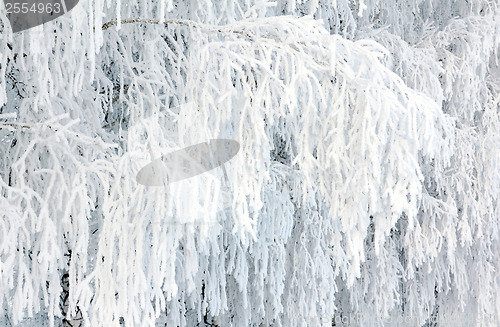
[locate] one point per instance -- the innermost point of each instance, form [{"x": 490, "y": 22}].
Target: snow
[{"x": 366, "y": 184}]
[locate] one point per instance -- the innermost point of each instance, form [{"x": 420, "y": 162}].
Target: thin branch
[
  {"x": 64, "y": 129},
  {"x": 188, "y": 23},
  {"x": 279, "y": 154}
]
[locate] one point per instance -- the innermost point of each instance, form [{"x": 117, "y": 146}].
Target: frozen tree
[{"x": 365, "y": 192}]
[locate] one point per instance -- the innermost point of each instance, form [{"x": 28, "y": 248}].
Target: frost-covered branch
[{"x": 367, "y": 183}]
